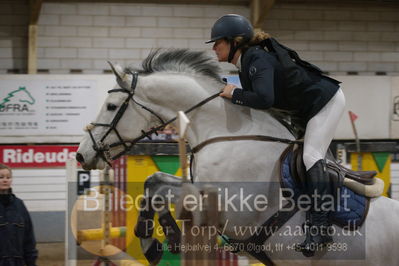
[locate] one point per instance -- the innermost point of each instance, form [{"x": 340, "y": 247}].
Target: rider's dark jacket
[
  {"x": 17, "y": 240},
  {"x": 262, "y": 80}
]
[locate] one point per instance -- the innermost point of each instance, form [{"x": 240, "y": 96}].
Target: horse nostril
[{"x": 79, "y": 158}]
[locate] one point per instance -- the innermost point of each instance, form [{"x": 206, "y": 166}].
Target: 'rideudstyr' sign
[{"x": 36, "y": 156}]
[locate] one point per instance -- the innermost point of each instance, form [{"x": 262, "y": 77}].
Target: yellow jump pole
[{"x": 98, "y": 233}]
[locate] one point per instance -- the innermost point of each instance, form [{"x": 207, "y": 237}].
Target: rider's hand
[{"x": 227, "y": 91}]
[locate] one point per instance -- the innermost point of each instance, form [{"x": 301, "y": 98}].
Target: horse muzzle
[
  {"x": 95, "y": 163},
  {"x": 79, "y": 157}
]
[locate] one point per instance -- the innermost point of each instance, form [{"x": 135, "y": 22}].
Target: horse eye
[{"x": 111, "y": 107}]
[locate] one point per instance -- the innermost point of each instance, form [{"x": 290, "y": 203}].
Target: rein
[
  {"x": 147, "y": 134},
  {"x": 103, "y": 150}
]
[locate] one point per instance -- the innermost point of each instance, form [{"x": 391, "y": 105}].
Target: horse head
[
  {"x": 109, "y": 136},
  {"x": 170, "y": 80}
]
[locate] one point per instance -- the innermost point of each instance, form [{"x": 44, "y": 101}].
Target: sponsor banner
[
  {"x": 36, "y": 156},
  {"x": 46, "y": 107}
]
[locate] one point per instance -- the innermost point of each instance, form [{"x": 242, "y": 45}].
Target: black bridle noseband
[{"x": 103, "y": 150}]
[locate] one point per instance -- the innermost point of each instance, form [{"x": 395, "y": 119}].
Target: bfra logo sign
[{"x": 17, "y": 100}]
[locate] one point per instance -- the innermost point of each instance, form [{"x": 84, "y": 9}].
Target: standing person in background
[
  {"x": 271, "y": 79},
  {"x": 17, "y": 240}
]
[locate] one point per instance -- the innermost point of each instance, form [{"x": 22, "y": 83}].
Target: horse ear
[{"x": 117, "y": 69}]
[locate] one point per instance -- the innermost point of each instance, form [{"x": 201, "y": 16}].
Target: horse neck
[
  {"x": 218, "y": 117},
  {"x": 222, "y": 118}
]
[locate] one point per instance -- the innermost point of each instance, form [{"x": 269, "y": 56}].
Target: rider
[{"x": 320, "y": 105}]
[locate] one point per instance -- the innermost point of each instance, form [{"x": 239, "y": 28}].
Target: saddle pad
[{"x": 350, "y": 208}]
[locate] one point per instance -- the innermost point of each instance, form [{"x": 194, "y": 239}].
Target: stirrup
[{"x": 305, "y": 247}]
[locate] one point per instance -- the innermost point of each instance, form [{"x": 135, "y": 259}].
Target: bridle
[{"x": 103, "y": 150}]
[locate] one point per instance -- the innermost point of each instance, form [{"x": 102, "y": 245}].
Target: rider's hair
[
  {"x": 3, "y": 166},
  {"x": 258, "y": 37}
]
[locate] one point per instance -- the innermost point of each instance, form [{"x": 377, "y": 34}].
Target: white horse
[{"x": 176, "y": 80}]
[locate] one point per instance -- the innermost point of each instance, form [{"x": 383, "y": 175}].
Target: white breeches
[{"x": 321, "y": 128}]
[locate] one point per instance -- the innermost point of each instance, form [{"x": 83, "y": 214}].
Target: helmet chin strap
[{"x": 233, "y": 50}]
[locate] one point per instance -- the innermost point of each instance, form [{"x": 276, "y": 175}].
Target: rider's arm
[{"x": 261, "y": 75}]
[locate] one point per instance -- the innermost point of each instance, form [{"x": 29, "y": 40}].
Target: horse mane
[
  {"x": 199, "y": 62},
  {"x": 181, "y": 60}
]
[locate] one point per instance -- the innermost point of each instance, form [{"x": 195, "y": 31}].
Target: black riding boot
[{"x": 317, "y": 226}]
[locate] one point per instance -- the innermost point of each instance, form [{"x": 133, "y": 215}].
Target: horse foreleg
[
  {"x": 168, "y": 194},
  {"x": 145, "y": 222},
  {"x": 144, "y": 229},
  {"x": 158, "y": 187},
  {"x": 171, "y": 230}
]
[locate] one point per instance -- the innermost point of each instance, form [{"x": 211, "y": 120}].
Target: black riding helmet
[{"x": 231, "y": 26}]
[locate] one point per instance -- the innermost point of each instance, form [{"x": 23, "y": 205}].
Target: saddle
[
  {"x": 293, "y": 176},
  {"x": 337, "y": 172}
]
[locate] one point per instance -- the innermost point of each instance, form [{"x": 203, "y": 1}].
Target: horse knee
[
  {"x": 151, "y": 180},
  {"x": 159, "y": 176}
]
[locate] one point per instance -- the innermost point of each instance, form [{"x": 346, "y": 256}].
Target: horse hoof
[
  {"x": 174, "y": 246},
  {"x": 308, "y": 253},
  {"x": 154, "y": 252}
]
